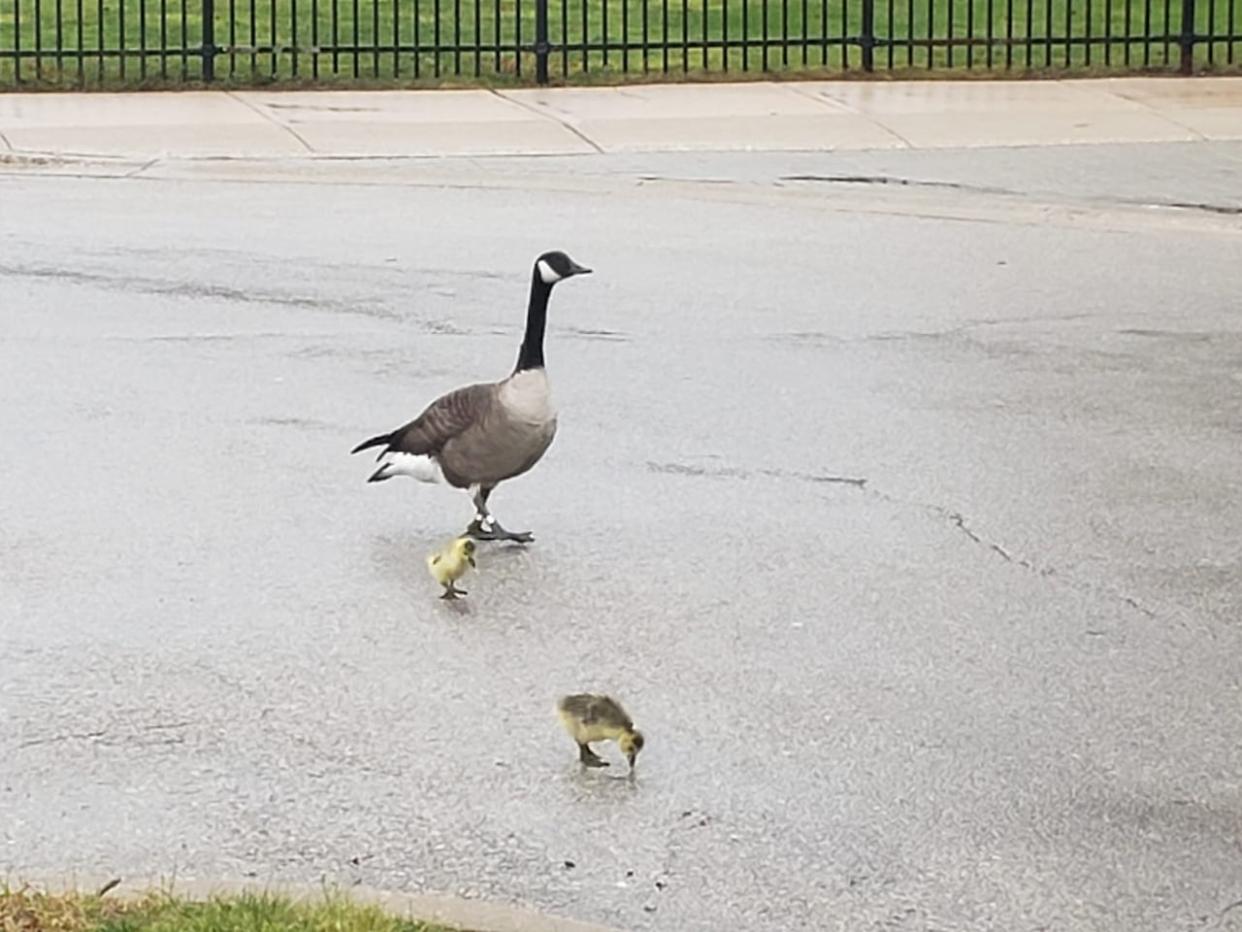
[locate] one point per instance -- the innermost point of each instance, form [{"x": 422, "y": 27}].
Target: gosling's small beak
[
  {"x": 576, "y": 269},
  {"x": 632, "y": 756},
  {"x": 470, "y": 559}
]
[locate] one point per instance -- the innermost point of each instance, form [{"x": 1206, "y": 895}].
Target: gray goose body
[{"x": 480, "y": 435}]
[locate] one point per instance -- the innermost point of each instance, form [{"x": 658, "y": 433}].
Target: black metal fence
[{"x": 135, "y": 42}]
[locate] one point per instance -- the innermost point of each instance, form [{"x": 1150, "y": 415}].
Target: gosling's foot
[
  {"x": 493, "y": 531},
  {"x": 452, "y": 592},
  {"x": 590, "y": 759}
]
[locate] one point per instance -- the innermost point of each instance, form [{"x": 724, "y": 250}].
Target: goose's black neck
[{"x": 531, "y": 354}]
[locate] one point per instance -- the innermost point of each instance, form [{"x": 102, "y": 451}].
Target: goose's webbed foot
[{"x": 489, "y": 529}]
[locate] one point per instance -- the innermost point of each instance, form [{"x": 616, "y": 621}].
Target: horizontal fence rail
[{"x": 136, "y": 42}]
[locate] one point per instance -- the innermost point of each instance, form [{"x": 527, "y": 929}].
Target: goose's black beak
[{"x": 576, "y": 269}]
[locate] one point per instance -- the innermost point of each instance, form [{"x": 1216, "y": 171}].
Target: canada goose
[
  {"x": 449, "y": 565},
  {"x": 480, "y": 435},
  {"x": 588, "y": 718}
]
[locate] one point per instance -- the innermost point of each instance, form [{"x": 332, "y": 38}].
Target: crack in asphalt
[
  {"x": 102, "y": 733},
  {"x": 815, "y": 338},
  {"x": 648, "y": 179},
  {"x": 1230, "y": 210},
  {"x": 164, "y": 287},
  {"x": 959, "y": 521},
  {"x": 23, "y": 159},
  {"x": 1043, "y": 208},
  {"x": 731, "y": 472},
  {"x": 1197, "y": 205},
  {"x": 56, "y": 739},
  {"x": 954, "y": 518},
  {"x": 901, "y": 182}
]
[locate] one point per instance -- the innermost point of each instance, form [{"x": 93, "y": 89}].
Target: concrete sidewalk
[{"x": 803, "y": 116}]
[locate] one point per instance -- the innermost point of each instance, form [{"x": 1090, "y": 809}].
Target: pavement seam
[
  {"x": 801, "y": 92},
  {"x": 271, "y": 119},
  {"x": 599, "y": 150},
  {"x": 8, "y": 145},
  {"x": 1103, "y": 92},
  {"x": 1199, "y": 137},
  {"x": 150, "y": 163}
]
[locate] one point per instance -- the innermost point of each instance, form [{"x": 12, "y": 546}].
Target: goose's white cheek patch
[{"x": 546, "y": 272}]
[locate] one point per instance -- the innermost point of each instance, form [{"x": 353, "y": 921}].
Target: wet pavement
[{"x": 992, "y": 683}]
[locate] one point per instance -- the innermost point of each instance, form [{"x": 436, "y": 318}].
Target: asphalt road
[{"x": 996, "y": 687}]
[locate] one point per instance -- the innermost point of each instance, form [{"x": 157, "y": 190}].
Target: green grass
[
  {"x": 161, "y": 39},
  {"x": 26, "y": 910}
]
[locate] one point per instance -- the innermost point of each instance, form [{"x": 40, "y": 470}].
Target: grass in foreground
[{"x": 24, "y": 910}]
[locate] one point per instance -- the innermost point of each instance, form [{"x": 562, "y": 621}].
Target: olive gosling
[{"x": 590, "y": 718}]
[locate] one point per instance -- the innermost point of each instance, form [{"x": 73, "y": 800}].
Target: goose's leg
[{"x": 486, "y": 527}]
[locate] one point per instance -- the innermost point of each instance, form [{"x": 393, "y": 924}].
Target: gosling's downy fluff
[
  {"x": 588, "y": 717},
  {"x": 450, "y": 564}
]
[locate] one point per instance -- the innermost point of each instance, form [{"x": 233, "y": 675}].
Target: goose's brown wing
[{"x": 441, "y": 421}]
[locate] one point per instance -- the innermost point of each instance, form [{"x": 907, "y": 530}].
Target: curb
[{"x": 472, "y": 915}]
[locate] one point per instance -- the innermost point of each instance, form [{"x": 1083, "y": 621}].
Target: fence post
[
  {"x": 1187, "y": 38},
  {"x": 209, "y": 41},
  {"x": 868, "y": 34},
  {"x": 542, "y": 48}
]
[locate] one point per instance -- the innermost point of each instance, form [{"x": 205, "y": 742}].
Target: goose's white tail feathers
[{"x": 422, "y": 468}]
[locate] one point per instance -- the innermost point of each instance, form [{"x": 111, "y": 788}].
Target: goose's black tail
[{"x": 381, "y": 440}]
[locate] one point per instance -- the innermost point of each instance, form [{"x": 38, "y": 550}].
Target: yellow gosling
[
  {"x": 588, "y": 718},
  {"x": 450, "y": 564}
]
